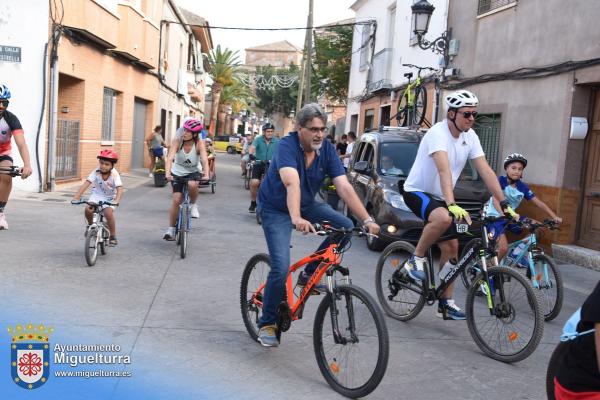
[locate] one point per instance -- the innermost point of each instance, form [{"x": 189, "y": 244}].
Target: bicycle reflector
[
  {"x": 513, "y": 336},
  {"x": 334, "y": 367}
]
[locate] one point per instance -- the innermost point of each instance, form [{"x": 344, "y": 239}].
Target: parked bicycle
[
  {"x": 413, "y": 101},
  {"x": 526, "y": 255},
  {"x": 350, "y": 336},
  {"x": 506, "y": 323},
  {"x": 97, "y": 234}
]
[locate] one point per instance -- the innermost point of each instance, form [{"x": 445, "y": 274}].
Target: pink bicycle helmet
[{"x": 193, "y": 125}]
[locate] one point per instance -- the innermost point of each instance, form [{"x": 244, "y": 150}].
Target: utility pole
[{"x": 309, "y": 37}]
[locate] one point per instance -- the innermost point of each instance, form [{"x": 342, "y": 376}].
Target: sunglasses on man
[
  {"x": 469, "y": 114},
  {"x": 4, "y": 103},
  {"x": 315, "y": 129}
]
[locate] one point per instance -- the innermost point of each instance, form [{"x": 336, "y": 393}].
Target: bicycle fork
[{"x": 338, "y": 337}]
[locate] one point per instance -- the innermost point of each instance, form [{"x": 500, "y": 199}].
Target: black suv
[{"x": 381, "y": 162}]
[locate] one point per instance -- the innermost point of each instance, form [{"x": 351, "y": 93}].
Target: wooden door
[{"x": 589, "y": 235}]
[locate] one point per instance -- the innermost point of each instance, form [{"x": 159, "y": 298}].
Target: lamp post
[{"x": 421, "y": 16}]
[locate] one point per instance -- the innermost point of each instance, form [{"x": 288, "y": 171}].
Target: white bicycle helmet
[
  {"x": 461, "y": 98},
  {"x": 515, "y": 157}
]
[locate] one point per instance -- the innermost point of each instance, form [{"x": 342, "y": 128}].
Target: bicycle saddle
[{"x": 408, "y": 75}]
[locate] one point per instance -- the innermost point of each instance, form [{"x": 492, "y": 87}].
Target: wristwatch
[{"x": 366, "y": 221}]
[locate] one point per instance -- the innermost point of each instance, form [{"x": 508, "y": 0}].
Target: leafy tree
[
  {"x": 224, "y": 66},
  {"x": 331, "y": 69},
  {"x": 238, "y": 95}
]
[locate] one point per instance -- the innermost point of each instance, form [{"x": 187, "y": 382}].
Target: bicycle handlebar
[
  {"x": 419, "y": 68},
  {"x": 11, "y": 171},
  {"x": 89, "y": 203}
]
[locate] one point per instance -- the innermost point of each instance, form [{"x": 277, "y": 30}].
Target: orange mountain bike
[{"x": 350, "y": 335}]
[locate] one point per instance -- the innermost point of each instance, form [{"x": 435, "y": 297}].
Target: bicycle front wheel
[
  {"x": 512, "y": 330},
  {"x": 550, "y": 285},
  {"x": 400, "y": 297},
  {"x": 183, "y": 233},
  {"x": 254, "y": 278},
  {"x": 355, "y": 362},
  {"x": 91, "y": 247}
]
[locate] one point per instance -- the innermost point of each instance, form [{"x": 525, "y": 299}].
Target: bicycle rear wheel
[
  {"x": 550, "y": 283},
  {"x": 355, "y": 364},
  {"x": 513, "y": 329},
  {"x": 91, "y": 247},
  {"x": 400, "y": 297},
  {"x": 419, "y": 108},
  {"x": 251, "y": 298},
  {"x": 555, "y": 360}
]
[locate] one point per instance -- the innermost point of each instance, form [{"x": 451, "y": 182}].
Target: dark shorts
[
  {"x": 258, "y": 170},
  {"x": 157, "y": 152},
  {"x": 178, "y": 185},
  {"x": 499, "y": 227},
  {"x": 6, "y": 157},
  {"x": 422, "y": 204}
]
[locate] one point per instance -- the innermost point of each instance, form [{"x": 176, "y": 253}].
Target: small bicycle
[
  {"x": 248, "y": 175},
  {"x": 539, "y": 268},
  {"x": 506, "y": 323},
  {"x": 350, "y": 336},
  {"x": 413, "y": 101},
  {"x": 97, "y": 234}
]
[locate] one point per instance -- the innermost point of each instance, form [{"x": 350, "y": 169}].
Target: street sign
[{"x": 10, "y": 53}]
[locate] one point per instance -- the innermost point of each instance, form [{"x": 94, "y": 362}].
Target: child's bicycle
[
  {"x": 350, "y": 336},
  {"x": 97, "y": 234},
  {"x": 506, "y": 323},
  {"x": 539, "y": 268},
  {"x": 413, "y": 101}
]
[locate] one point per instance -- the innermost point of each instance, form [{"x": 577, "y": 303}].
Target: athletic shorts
[
  {"x": 6, "y": 157},
  {"x": 157, "y": 152},
  {"x": 178, "y": 185},
  {"x": 422, "y": 204},
  {"x": 98, "y": 199},
  {"x": 258, "y": 170},
  {"x": 499, "y": 227}
]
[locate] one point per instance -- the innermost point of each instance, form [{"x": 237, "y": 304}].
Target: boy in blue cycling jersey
[{"x": 515, "y": 190}]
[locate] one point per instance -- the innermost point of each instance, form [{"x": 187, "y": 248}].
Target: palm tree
[
  {"x": 237, "y": 95},
  {"x": 224, "y": 64}
]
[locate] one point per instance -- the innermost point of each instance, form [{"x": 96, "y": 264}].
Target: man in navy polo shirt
[{"x": 286, "y": 198}]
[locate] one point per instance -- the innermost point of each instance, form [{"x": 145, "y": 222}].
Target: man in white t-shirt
[
  {"x": 429, "y": 188},
  {"x": 346, "y": 157}
]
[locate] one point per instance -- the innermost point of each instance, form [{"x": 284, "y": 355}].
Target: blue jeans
[{"x": 277, "y": 226}]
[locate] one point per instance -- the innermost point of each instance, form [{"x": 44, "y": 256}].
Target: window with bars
[
  {"x": 485, "y": 6},
  {"x": 109, "y": 111},
  {"x": 487, "y": 127}
]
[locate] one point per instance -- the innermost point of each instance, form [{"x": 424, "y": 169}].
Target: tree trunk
[{"x": 216, "y": 97}]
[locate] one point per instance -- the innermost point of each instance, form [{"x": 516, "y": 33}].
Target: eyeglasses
[
  {"x": 469, "y": 114},
  {"x": 4, "y": 103},
  {"x": 315, "y": 129}
]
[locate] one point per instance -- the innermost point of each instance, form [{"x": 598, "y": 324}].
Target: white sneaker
[
  {"x": 194, "y": 211},
  {"x": 170, "y": 234},
  {"x": 3, "y": 223}
]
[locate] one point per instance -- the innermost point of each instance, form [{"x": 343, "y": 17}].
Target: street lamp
[{"x": 421, "y": 15}]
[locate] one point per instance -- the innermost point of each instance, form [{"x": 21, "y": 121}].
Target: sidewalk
[{"x": 64, "y": 193}]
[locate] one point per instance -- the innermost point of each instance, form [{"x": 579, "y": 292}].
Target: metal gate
[{"x": 67, "y": 149}]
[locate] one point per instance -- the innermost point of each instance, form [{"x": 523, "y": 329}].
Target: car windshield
[{"x": 397, "y": 158}]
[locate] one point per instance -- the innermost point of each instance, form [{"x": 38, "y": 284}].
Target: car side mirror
[{"x": 362, "y": 167}]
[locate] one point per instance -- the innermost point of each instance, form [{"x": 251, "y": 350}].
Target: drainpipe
[{"x": 53, "y": 124}]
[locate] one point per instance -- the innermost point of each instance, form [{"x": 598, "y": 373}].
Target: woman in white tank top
[{"x": 187, "y": 159}]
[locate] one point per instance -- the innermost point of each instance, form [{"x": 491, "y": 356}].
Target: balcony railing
[{"x": 380, "y": 73}]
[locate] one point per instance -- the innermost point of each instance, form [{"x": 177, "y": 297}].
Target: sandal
[{"x": 113, "y": 241}]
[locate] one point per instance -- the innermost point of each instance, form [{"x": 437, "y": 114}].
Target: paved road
[{"x": 180, "y": 319}]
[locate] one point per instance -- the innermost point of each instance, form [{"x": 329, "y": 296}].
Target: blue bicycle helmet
[{"x": 4, "y": 92}]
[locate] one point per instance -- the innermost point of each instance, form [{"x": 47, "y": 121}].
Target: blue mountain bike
[{"x": 526, "y": 255}]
